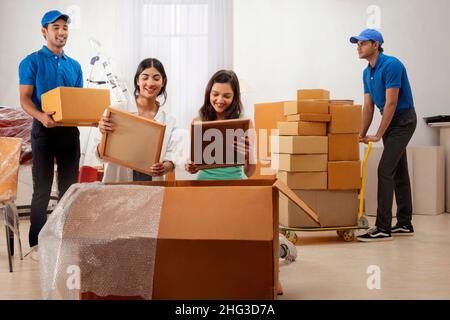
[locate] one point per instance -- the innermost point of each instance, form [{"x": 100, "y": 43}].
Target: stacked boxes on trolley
[{"x": 316, "y": 153}]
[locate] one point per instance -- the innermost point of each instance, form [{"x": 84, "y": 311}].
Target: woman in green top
[{"x": 223, "y": 102}]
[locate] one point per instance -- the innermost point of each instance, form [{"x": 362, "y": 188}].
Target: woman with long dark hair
[
  {"x": 223, "y": 102},
  {"x": 150, "y": 82}
]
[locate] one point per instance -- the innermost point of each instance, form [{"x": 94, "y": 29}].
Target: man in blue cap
[
  {"x": 40, "y": 72},
  {"x": 386, "y": 85}
]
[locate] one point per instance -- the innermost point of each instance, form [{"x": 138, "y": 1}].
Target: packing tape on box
[{"x": 107, "y": 228}]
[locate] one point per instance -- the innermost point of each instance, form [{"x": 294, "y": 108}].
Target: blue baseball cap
[
  {"x": 52, "y": 16},
  {"x": 368, "y": 34}
]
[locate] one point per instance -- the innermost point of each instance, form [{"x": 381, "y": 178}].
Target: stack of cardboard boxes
[
  {"x": 301, "y": 147},
  {"x": 343, "y": 141},
  {"x": 316, "y": 154}
]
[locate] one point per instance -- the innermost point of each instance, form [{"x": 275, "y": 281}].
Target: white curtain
[{"x": 192, "y": 38}]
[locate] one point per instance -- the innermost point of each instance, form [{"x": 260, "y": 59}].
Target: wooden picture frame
[
  {"x": 135, "y": 143},
  {"x": 222, "y": 126}
]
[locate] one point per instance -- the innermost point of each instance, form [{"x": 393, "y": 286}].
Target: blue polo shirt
[
  {"x": 387, "y": 73},
  {"x": 46, "y": 71}
]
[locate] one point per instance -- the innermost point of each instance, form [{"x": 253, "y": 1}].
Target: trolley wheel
[
  {"x": 340, "y": 233},
  {"x": 363, "y": 223},
  {"x": 348, "y": 235},
  {"x": 291, "y": 236}
]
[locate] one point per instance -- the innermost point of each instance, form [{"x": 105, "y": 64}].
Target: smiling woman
[
  {"x": 150, "y": 82},
  {"x": 223, "y": 102}
]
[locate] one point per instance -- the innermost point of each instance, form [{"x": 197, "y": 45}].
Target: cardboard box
[
  {"x": 267, "y": 115},
  {"x": 345, "y": 119},
  {"x": 312, "y": 117},
  {"x": 302, "y": 128},
  {"x": 429, "y": 180},
  {"x": 340, "y": 102},
  {"x": 219, "y": 245},
  {"x": 444, "y": 141},
  {"x": 300, "y": 162},
  {"x": 300, "y": 144},
  {"x": 307, "y": 106},
  {"x": 290, "y": 107},
  {"x": 10, "y": 149},
  {"x": 304, "y": 180},
  {"x": 344, "y": 175},
  {"x": 335, "y": 208},
  {"x": 306, "y": 94},
  {"x": 135, "y": 143},
  {"x": 343, "y": 147},
  {"x": 76, "y": 106}
]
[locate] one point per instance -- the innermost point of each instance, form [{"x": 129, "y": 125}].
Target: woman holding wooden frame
[{"x": 150, "y": 83}]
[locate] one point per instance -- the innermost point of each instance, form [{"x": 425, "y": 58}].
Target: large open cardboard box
[
  {"x": 205, "y": 248},
  {"x": 76, "y": 106}
]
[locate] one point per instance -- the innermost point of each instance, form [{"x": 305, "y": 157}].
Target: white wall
[
  {"x": 21, "y": 35},
  {"x": 280, "y": 46},
  {"x": 283, "y": 45}
]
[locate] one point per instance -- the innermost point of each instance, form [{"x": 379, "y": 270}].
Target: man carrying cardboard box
[
  {"x": 40, "y": 72},
  {"x": 386, "y": 85}
]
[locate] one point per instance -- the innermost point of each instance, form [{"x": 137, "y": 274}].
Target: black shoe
[
  {"x": 375, "y": 234},
  {"x": 398, "y": 230}
]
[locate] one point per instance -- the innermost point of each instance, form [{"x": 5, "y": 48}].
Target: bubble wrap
[
  {"x": 9, "y": 167},
  {"x": 16, "y": 123},
  {"x": 107, "y": 231}
]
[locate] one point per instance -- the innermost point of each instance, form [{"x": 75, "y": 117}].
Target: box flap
[{"x": 284, "y": 189}]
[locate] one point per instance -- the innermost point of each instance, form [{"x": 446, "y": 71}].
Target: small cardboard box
[
  {"x": 343, "y": 147},
  {"x": 304, "y": 180},
  {"x": 300, "y": 162},
  {"x": 312, "y": 117},
  {"x": 267, "y": 115},
  {"x": 306, "y": 94},
  {"x": 344, "y": 175},
  {"x": 135, "y": 143},
  {"x": 302, "y": 128},
  {"x": 339, "y": 102},
  {"x": 307, "y": 106},
  {"x": 76, "y": 106},
  {"x": 336, "y": 208},
  {"x": 345, "y": 119},
  {"x": 192, "y": 245},
  {"x": 290, "y": 107},
  {"x": 429, "y": 180},
  {"x": 300, "y": 144}
]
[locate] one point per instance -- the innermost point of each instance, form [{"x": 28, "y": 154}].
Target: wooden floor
[{"x": 327, "y": 268}]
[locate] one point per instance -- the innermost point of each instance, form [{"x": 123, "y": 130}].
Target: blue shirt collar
[
  {"x": 380, "y": 60},
  {"x": 46, "y": 51}
]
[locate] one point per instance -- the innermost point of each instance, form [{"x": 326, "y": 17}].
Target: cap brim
[
  {"x": 63, "y": 16},
  {"x": 355, "y": 39}
]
